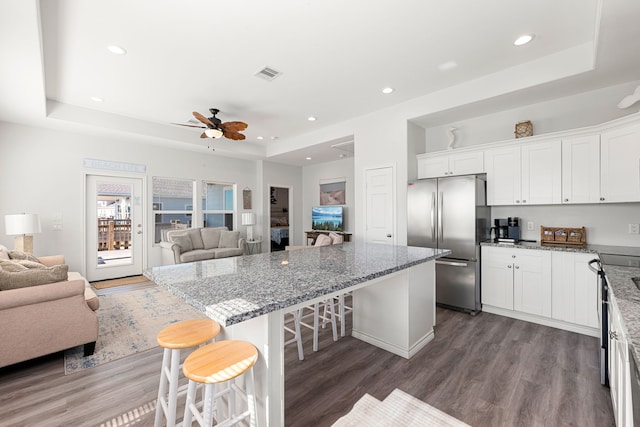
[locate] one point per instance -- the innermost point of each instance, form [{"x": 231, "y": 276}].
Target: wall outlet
[
  {"x": 634, "y": 228},
  {"x": 530, "y": 225}
]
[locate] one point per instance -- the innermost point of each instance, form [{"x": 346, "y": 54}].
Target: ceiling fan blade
[
  {"x": 234, "y": 126},
  {"x": 204, "y": 120},
  {"x": 234, "y": 135},
  {"x": 189, "y": 126}
]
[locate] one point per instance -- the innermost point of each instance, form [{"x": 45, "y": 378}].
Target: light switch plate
[{"x": 530, "y": 225}]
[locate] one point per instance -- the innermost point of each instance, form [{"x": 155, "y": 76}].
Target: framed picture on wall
[
  {"x": 332, "y": 191},
  {"x": 246, "y": 198}
]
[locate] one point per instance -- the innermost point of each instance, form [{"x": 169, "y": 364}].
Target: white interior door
[
  {"x": 113, "y": 227},
  {"x": 380, "y": 203}
]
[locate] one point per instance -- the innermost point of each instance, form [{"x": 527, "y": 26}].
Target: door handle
[
  {"x": 451, "y": 263},
  {"x": 433, "y": 212},
  {"x": 389, "y": 235},
  {"x": 440, "y": 213}
]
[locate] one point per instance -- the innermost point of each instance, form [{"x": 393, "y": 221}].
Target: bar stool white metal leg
[
  {"x": 217, "y": 363},
  {"x": 174, "y": 338}
]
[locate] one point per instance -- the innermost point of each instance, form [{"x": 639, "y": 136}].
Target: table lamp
[
  {"x": 22, "y": 226},
  {"x": 249, "y": 219}
]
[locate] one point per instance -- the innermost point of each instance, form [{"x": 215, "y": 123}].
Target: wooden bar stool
[
  {"x": 173, "y": 338},
  {"x": 214, "y": 364}
]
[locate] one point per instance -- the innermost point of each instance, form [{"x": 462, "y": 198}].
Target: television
[{"x": 330, "y": 218}]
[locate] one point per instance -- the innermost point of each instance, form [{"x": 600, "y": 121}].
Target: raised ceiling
[{"x": 335, "y": 58}]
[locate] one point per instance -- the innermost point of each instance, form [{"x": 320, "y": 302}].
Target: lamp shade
[
  {"x": 16, "y": 224},
  {"x": 248, "y": 218}
]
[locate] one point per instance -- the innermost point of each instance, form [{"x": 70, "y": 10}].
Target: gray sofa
[{"x": 197, "y": 244}]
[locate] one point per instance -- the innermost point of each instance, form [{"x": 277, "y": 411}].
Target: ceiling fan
[{"x": 214, "y": 128}]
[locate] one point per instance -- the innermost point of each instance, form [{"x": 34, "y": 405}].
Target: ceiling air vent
[{"x": 268, "y": 73}]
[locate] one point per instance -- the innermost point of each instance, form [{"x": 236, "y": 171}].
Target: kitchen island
[{"x": 393, "y": 300}]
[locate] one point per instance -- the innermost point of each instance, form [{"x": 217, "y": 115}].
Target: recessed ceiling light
[
  {"x": 312, "y": 119},
  {"x": 273, "y": 138},
  {"x": 307, "y": 158},
  {"x": 387, "y": 90},
  {"x": 96, "y": 99},
  {"x": 117, "y": 49},
  {"x": 259, "y": 137},
  {"x": 449, "y": 65},
  {"x": 523, "y": 39},
  {"x": 342, "y": 155}
]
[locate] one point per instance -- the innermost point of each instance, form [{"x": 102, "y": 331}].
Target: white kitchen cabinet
[
  {"x": 464, "y": 163},
  {"x": 620, "y": 164},
  {"x": 619, "y": 369},
  {"x": 525, "y": 174},
  {"x": 581, "y": 169},
  {"x": 574, "y": 289},
  {"x": 517, "y": 279}
]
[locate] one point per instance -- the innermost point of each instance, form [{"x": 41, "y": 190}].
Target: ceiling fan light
[{"x": 213, "y": 133}]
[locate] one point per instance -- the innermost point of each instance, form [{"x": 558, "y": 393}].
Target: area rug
[
  {"x": 103, "y": 284},
  {"x": 129, "y": 323}
]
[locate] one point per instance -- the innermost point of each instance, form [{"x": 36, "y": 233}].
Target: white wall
[
  {"x": 585, "y": 109},
  {"x": 606, "y": 224},
  {"x": 311, "y": 176},
  {"x": 279, "y": 175},
  {"x": 41, "y": 171}
]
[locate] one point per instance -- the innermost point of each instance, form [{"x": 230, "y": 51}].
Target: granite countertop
[
  {"x": 627, "y": 297},
  {"x": 587, "y": 249},
  {"x": 231, "y": 290}
]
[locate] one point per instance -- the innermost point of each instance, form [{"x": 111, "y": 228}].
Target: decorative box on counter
[{"x": 563, "y": 235}]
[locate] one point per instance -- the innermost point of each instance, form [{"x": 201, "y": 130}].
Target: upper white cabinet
[
  {"x": 620, "y": 164},
  {"x": 581, "y": 169},
  {"x": 524, "y": 174},
  {"x": 434, "y": 166}
]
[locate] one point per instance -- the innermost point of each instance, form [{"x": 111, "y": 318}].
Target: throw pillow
[
  {"x": 336, "y": 238},
  {"x": 32, "y": 277},
  {"x": 210, "y": 237},
  {"x": 30, "y": 264},
  {"x": 196, "y": 238},
  {"x": 22, "y": 255},
  {"x": 184, "y": 241},
  {"x": 323, "y": 240},
  {"x": 12, "y": 266},
  {"x": 4, "y": 252},
  {"x": 229, "y": 239}
]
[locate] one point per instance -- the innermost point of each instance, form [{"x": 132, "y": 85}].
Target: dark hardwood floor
[{"x": 485, "y": 370}]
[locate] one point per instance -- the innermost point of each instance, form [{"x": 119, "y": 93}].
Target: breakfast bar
[{"x": 393, "y": 300}]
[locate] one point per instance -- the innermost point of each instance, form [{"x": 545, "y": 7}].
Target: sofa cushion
[
  {"x": 184, "y": 241},
  {"x": 197, "y": 255},
  {"x": 32, "y": 277},
  {"x": 336, "y": 238},
  {"x": 210, "y": 237},
  {"x": 4, "y": 252},
  {"x": 323, "y": 240},
  {"x": 229, "y": 239},
  {"x": 22, "y": 255},
  {"x": 196, "y": 238},
  {"x": 11, "y": 266},
  {"x": 228, "y": 252}
]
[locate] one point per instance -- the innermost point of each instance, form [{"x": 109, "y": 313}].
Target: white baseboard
[{"x": 558, "y": 324}]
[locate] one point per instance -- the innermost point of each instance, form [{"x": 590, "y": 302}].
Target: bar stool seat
[
  {"x": 217, "y": 363},
  {"x": 174, "y": 338}
]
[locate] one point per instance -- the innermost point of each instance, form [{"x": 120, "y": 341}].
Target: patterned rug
[{"x": 129, "y": 323}]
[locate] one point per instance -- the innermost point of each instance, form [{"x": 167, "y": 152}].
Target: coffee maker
[
  {"x": 500, "y": 230},
  {"x": 513, "y": 229}
]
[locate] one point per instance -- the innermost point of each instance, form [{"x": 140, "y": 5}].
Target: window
[
  {"x": 172, "y": 204},
  {"x": 218, "y": 201}
]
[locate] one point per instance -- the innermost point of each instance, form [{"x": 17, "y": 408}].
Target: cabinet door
[
  {"x": 619, "y": 369},
  {"x": 542, "y": 173},
  {"x": 497, "y": 277},
  {"x": 532, "y": 282},
  {"x": 574, "y": 289},
  {"x": 580, "y": 169},
  {"x": 620, "y": 165},
  {"x": 433, "y": 167},
  {"x": 503, "y": 176},
  {"x": 466, "y": 163}
]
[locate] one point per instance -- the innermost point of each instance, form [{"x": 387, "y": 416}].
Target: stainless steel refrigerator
[{"x": 451, "y": 213}]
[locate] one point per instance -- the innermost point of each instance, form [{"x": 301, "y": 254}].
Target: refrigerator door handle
[
  {"x": 433, "y": 213},
  {"x": 440, "y": 215},
  {"x": 451, "y": 263}
]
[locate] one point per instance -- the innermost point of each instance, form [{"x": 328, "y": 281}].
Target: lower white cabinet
[
  {"x": 552, "y": 288},
  {"x": 517, "y": 279},
  {"x": 575, "y": 293},
  {"x": 619, "y": 369}
]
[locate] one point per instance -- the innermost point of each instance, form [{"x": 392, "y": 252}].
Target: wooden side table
[{"x": 253, "y": 247}]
